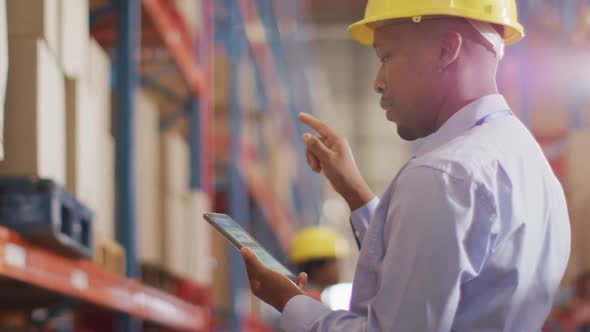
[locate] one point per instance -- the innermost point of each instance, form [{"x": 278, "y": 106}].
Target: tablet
[{"x": 238, "y": 236}]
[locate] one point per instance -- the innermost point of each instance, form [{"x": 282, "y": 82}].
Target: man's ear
[{"x": 450, "y": 46}]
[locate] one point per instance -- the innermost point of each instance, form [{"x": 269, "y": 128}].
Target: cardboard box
[
  {"x": 35, "y": 136},
  {"x": 174, "y": 221},
  {"x": 282, "y": 170},
  {"x": 109, "y": 254},
  {"x": 74, "y": 38},
  {"x": 3, "y": 71},
  {"x": 175, "y": 168},
  {"x": 147, "y": 181},
  {"x": 35, "y": 19},
  {"x": 104, "y": 216},
  {"x": 83, "y": 143},
  {"x": 187, "y": 237},
  {"x": 577, "y": 188},
  {"x": 99, "y": 84},
  {"x": 198, "y": 239},
  {"x": 90, "y": 156},
  {"x": 99, "y": 81}
]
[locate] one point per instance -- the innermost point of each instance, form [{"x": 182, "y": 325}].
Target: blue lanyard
[{"x": 492, "y": 116}]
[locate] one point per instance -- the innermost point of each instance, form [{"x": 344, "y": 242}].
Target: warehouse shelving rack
[
  {"x": 116, "y": 24},
  {"x": 32, "y": 276},
  {"x": 248, "y": 31}
]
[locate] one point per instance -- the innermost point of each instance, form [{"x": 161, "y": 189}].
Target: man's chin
[{"x": 406, "y": 134}]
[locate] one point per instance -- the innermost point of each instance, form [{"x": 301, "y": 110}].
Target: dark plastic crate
[{"x": 44, "y": 212}]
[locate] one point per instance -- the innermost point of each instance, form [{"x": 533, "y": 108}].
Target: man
[
  {"x": 473, "y": 233},
  {"x": 317, "y": 250}
]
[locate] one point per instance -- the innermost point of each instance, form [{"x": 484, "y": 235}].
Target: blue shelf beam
[
  {"x": 228, "y": 28},
  {"x": 192, "y": 108},
  {"x": 126, "y": 84}
]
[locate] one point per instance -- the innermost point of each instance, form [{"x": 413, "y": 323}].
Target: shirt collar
[{"x": 461, "y": 121}]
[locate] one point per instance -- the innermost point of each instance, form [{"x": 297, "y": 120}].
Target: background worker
[
  {"x": 473, "y": 233},
  {"x": 317, "y": 251}
]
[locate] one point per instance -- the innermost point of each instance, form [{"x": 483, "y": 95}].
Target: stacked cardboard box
[
  {"x": 35, "y": 115},
  {"x": 577, "y": 185},
  {"x": 147, "y": 181},
  {"x": 282, "y": 168},
  {"x": 109, "y": 254},
  {"x": 3, "y": 71},
  {"x": 58, "y": 105},
  {"x": 35, "y": 111},
  {"x": 99, "y": 82},
  {"x": 74, "y": 38},
  {"x": 174, "y": 172},
  {"x": 90, "y": 155},
  {"x": 184, "y": 235},
  {"x": 198, "y": 239},
  {"x": 37, "y": 19},
  {"x": 82, "y": 143},
  {"x": 99, "y": 77}
]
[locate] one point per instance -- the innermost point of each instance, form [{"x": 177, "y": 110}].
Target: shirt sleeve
[
  {"x": 360, "y": 218},
  {"x": 436, "y": 237}
]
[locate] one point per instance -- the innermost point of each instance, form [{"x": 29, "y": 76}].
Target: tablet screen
[{"x": 239, "y": 238}]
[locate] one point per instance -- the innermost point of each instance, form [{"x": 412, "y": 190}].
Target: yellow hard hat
[
  {"x": 317, "y": 242},
  {"x": 501, "y": 12}
]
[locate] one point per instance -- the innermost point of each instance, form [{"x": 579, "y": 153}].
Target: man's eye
[{"x": 385, "y": 58}]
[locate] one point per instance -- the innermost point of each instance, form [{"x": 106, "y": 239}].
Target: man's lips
[{"x": 386, "y": 106}]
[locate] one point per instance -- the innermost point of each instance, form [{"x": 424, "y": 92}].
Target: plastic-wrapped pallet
[
  {"x": 34, "y": 19},
  {"x": 147, "y": 181},
  {"x": 35, "y": 132}
]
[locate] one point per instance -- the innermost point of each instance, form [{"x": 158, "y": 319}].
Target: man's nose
[
  {"x": 379, "y": 83},
  {"x": 379, "y": 86}
]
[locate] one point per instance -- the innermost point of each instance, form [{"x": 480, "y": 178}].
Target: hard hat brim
[{"x": 362, "y": 31}]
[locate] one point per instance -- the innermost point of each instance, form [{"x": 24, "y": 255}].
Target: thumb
[
  {"x": 253, "y": 265},
  {"x": 250, "y": 258},
  {"x": 317, "y": 148},
  {"x": 302, "y": 280}
]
